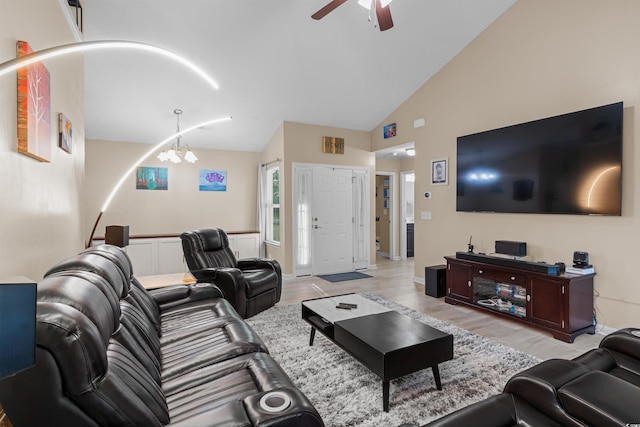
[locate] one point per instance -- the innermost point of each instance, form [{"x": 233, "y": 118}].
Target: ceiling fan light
[{"x": 367, "y": 3}]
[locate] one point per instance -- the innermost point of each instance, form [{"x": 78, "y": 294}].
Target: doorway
[
  {"x": 407, "y": 207},
  {"x": 385, "y": 214},
  {"x": 330, "y": 219}
]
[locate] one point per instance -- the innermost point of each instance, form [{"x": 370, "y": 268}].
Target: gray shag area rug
[{"x": 346, "y": 393}]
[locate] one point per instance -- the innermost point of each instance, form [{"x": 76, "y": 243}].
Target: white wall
[{"x": 40, "y": 205}]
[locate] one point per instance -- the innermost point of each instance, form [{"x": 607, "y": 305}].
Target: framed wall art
[
  {"x": 389, "y": 130},
  {"x": 34, "y": 108},
  {"x": 439, "y": 172},
  {"x": 65, "y": 133},
  {"x": 212, "y": 180},
  {"x": 149, "y": 178}
]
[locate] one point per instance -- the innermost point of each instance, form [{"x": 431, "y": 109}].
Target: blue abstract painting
[{"x": 213, "y": 180}]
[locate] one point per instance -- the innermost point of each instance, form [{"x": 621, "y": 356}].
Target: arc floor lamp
[{"x": 52, "y": 52}]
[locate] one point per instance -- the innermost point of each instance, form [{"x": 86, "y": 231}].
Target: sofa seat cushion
[
  {"x": 600, "y": 399},
  {"x": 260, "y": 281},
  {"x": 195, "y": 348},
  {"x": 219, "y": 384}
]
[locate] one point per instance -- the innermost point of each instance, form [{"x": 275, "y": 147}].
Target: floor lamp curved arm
[
  {"x": 52, "y": 52},
  {"x": 139, "y": 161}
]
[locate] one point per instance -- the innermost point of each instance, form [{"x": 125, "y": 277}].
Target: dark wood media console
[{"x": 559, "y": 304}]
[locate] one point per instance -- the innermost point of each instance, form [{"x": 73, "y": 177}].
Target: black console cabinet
[{"x": 562, "y": 305}]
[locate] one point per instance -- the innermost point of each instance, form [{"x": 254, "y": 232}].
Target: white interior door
[{"x": 332, "y": 220}]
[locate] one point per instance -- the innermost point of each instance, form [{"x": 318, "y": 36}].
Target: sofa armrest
[
  {"x": 539, "y": 387},
  {"x": 230, "y": 281},
  {"x": 626, "y": 341},
  {"x": 300, "y": 412},
  {"x": 231, "y": 414},
  {"x": 171, "y": 296}
]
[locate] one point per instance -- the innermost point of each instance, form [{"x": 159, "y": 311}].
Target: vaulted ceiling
[{"x": 272, "y": 61}]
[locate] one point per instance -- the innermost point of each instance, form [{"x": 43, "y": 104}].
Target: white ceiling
[{"x": 272, "y": 61}]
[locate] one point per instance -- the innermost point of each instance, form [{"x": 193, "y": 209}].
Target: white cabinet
[
  {"x": 154, "y": 255},
  {"x": 151, "y": 256},
  {"x": 245, "y": 245}
]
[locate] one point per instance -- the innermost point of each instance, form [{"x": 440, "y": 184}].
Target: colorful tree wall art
[
  {"x": 34, "y": 108},
  {"x": 152, "y": 178}
]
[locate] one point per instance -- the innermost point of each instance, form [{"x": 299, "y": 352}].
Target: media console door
[
  {"x": 546, "y": 305},
  {"x": 459, "y": 281}
]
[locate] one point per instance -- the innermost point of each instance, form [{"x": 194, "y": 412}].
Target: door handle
[{"x": 315, "y": 226}]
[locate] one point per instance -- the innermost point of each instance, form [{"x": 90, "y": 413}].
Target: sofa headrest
[
  {"x": 86, "y": 293},
  {"x": 95, "y": 263},
  {"x": 115, "y": 254},
  {"x": 212, "y": 239}
]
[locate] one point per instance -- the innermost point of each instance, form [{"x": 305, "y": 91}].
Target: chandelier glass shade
[{"x": 177, "y": 151}]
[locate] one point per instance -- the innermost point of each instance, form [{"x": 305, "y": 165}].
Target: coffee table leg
[
  {"x": 313, "y": 335},
  {"x": 385, "y": 396},
  {"x": 436, "y": 375}
]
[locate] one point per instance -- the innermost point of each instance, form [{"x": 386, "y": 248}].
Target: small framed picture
[
  {"x": 65, "y": 133},
  {"x": 389, "y": 130},
  {"x": 439, "y": 172}
]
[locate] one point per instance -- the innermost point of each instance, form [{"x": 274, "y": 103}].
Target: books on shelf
[{"x": 582, "y": 271}]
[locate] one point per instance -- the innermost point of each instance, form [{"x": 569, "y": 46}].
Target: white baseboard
[
  {"x": 373, "y": 266},
  {"x": 417, "y": 279}
]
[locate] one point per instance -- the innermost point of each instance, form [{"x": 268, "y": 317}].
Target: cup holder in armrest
[{"x": 275, "y": 402}]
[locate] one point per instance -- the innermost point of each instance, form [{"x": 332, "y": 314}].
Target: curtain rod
[{"x": 277, "y": 159}]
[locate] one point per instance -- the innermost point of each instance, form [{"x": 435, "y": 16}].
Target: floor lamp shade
[
  {"x": 17, "y": 325},
  {"x": 117, "y": 235}
]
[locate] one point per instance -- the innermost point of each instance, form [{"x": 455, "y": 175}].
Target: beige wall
[
  {"x": 40, "y": 203},
  {"x": 303, "y": 144},
  {"x": 181, "y": 207},
  {"x": 541, "y": 58}
]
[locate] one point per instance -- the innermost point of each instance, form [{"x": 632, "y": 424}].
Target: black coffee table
[{"x": 388, "y": 343}]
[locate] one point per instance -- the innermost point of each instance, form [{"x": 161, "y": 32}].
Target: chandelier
[{"x": 177, "y": 151}]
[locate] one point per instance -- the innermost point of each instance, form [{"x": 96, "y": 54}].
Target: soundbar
[{"x": 538, "y": 267}]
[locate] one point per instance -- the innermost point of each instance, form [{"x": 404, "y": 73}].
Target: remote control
[
  {"x": 347, "y": 305},
  {"x": 343, "y": 307}
]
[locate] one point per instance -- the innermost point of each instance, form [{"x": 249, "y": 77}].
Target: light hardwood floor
[{"x": 393, "y": 280}]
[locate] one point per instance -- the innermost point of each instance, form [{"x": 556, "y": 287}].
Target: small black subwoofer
[
  {"x": 117, "y": 235},
  {"x": 435, "y": 281}
]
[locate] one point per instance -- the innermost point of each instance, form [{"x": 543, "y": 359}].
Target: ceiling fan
[{"x": 381, "y": 17}]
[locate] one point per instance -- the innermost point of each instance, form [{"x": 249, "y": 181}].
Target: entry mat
[{"x": 342, "y": 277}]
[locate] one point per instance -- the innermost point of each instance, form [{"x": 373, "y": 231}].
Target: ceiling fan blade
[
  {"x": 384, "y": 16},
  {"x": 328, "y": 8}
]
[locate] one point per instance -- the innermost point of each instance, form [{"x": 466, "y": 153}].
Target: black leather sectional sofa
[
  {"x": 597, "y": 389},
  {"x": 110, "y": 353}
]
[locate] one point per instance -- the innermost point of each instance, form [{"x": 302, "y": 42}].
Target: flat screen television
[{"x": 568, "y": 164}]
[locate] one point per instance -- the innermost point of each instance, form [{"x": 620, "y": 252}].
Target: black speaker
[
  {"x": 511, "y": 248},
  {"x": 117, "y": 235},
  {"x": 435, "y": 281}
]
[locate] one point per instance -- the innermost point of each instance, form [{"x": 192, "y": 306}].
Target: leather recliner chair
[{"x": 251, "y": 285}]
